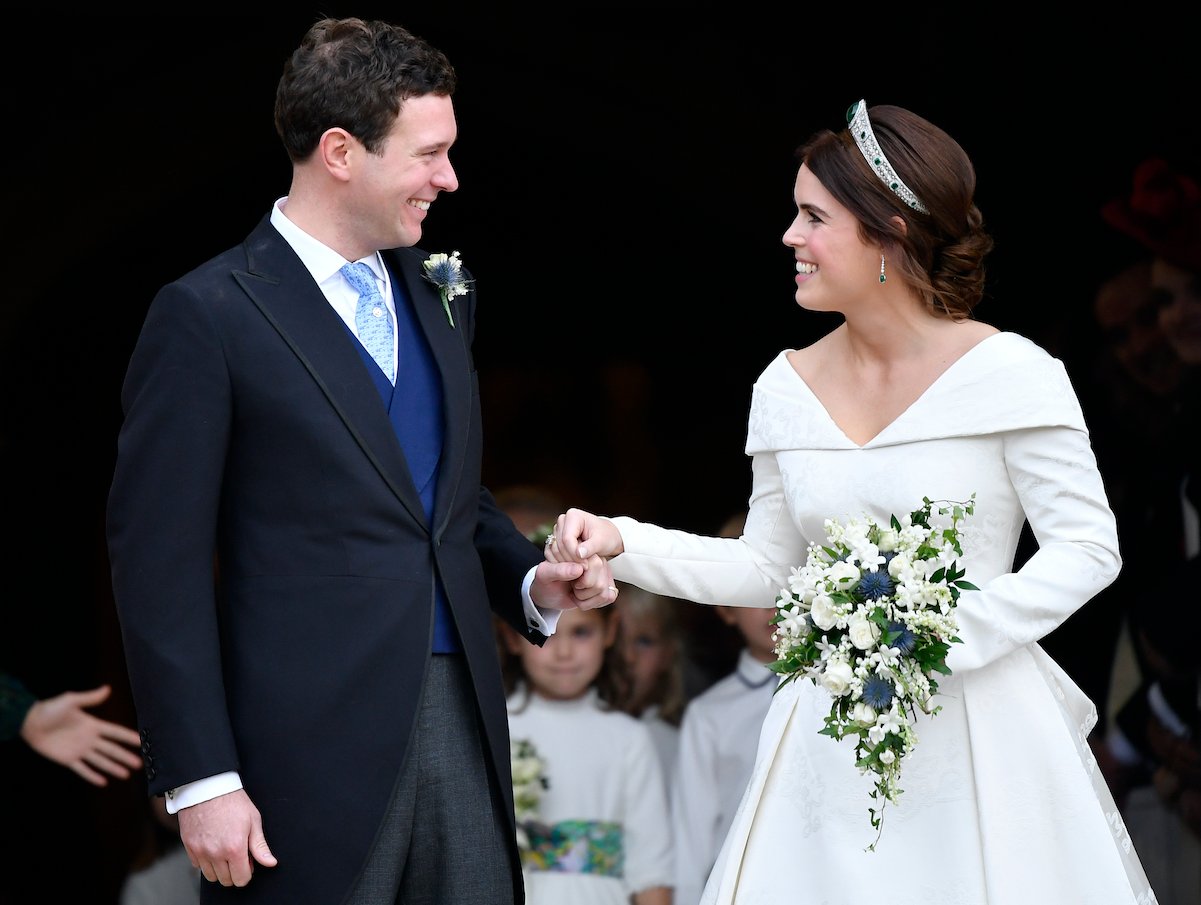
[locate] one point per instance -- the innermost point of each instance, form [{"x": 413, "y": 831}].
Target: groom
[{"x": 304, "y": 560}]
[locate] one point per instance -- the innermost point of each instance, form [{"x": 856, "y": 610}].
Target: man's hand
[
  {"x": 576, "y": 572},
  {"x": 223, "y": 835},
  {"x": 569, "y": 585}
]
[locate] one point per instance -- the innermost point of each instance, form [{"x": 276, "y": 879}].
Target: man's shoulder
[{"x": 262, "y": 241}]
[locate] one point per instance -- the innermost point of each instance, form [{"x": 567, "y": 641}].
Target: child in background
[
  {"x": 602, "y": 834},
  {"x": 718, "y": 738},
  {"x": 649, "y": 637}
]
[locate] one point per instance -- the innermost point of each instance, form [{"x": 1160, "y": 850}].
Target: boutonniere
[{"x": 446, "y": 272}]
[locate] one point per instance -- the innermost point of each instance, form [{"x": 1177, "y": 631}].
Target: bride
[{"x": 910, "y": 397}]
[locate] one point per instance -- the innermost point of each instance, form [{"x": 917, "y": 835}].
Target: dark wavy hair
[
  {"x": 940, "y": 253},
  {"x": 355, "y": 74}
]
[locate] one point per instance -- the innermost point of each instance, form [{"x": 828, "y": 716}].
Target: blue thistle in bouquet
[{"x": 870, "y": 617}]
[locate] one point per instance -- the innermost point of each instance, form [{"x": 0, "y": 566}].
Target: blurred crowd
[{"x": 1130, "y": 648}]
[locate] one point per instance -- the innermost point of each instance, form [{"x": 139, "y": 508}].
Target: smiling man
[{"x": 305, "y": 563}]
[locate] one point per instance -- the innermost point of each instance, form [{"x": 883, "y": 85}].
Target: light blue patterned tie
[{"x": 371, "y": 317}]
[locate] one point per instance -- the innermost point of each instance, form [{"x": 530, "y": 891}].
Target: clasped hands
[{"x": 578, "y": 551}]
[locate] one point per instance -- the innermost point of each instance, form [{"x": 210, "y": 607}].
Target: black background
[{"x": 626, "y": 174}]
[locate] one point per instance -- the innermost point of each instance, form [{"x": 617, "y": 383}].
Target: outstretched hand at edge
[{"x": 61, "y": 729}]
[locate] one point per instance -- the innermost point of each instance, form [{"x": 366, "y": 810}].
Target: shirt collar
[{"x": 320, "y": 260}]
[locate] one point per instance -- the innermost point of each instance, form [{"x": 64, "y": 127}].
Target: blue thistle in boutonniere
[{"x": 446, "y": 272}]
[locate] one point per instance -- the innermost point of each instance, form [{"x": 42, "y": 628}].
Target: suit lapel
[
  {"x": 283, "y": 290},
  {"x": 449, "y": 347}
]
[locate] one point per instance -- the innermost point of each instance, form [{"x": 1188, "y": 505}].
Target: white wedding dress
[{"x": 1003, "y": 803}]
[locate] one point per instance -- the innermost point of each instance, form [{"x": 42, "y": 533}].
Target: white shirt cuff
[
  {"x": 191, "y": 793},
  {"x": 536, "y": 617}
]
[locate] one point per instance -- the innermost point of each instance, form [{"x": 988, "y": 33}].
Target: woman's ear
[{"x": 902, "y": 226}]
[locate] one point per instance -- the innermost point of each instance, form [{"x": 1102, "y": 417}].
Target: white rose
[
  {"x": 824, "y": 613},
  {"x": 887, "y": 756},
  {"x": 837, "y": 677},
  {"x": 888, "y": 540},
  {"x": 863, "y": 632},
  {"x": 864, "y": 714},
  {"x": 899, "y": 567},
  {"x": 844, "y": 575}
]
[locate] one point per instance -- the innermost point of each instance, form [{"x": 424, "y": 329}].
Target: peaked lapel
[{"x": 280, "y": 286}]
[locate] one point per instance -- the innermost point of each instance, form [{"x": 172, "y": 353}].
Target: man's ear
[{"x": 336, "y": 149}]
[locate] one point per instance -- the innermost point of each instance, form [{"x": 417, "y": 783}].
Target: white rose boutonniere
[{"x": 446, "y": 272}]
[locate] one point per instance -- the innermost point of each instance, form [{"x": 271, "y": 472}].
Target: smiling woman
[{"x": 909, "y": 398}]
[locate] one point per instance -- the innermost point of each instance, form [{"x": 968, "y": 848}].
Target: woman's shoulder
[
  {"x": 796, "y": 357},
  {"x": 1007, "y": 355},
  {"x": 783, "y": 371},
  {"x": 1005, "y": 382},
  {"x": 1019, "y": 346}
]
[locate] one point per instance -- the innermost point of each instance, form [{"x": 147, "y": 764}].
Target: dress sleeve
[
  {"x": 748, "y": 571},
  {"x": 1054, "y": 472}
]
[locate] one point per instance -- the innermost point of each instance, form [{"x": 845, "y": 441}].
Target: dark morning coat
[{"x": 255, "y": 446}]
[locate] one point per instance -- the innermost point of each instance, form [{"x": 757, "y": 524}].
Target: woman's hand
[{"x": 579, "y": 535}]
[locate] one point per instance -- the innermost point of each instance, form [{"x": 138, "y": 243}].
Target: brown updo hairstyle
[{"x": 940, "y": 253}]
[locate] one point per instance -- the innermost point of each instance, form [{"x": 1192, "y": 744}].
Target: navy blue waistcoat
[{"x": 415, "y": 409}]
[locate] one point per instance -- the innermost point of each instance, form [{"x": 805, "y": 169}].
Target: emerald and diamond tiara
[{"x": 865, "y": 138}]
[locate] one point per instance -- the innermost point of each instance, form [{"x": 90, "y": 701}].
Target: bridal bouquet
[
  {"x": 529, "y": 782},
  {"x": 870, "y": 618}
]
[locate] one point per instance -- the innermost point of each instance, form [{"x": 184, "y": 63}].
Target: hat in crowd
[{"x": 1163, "y": 213}]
